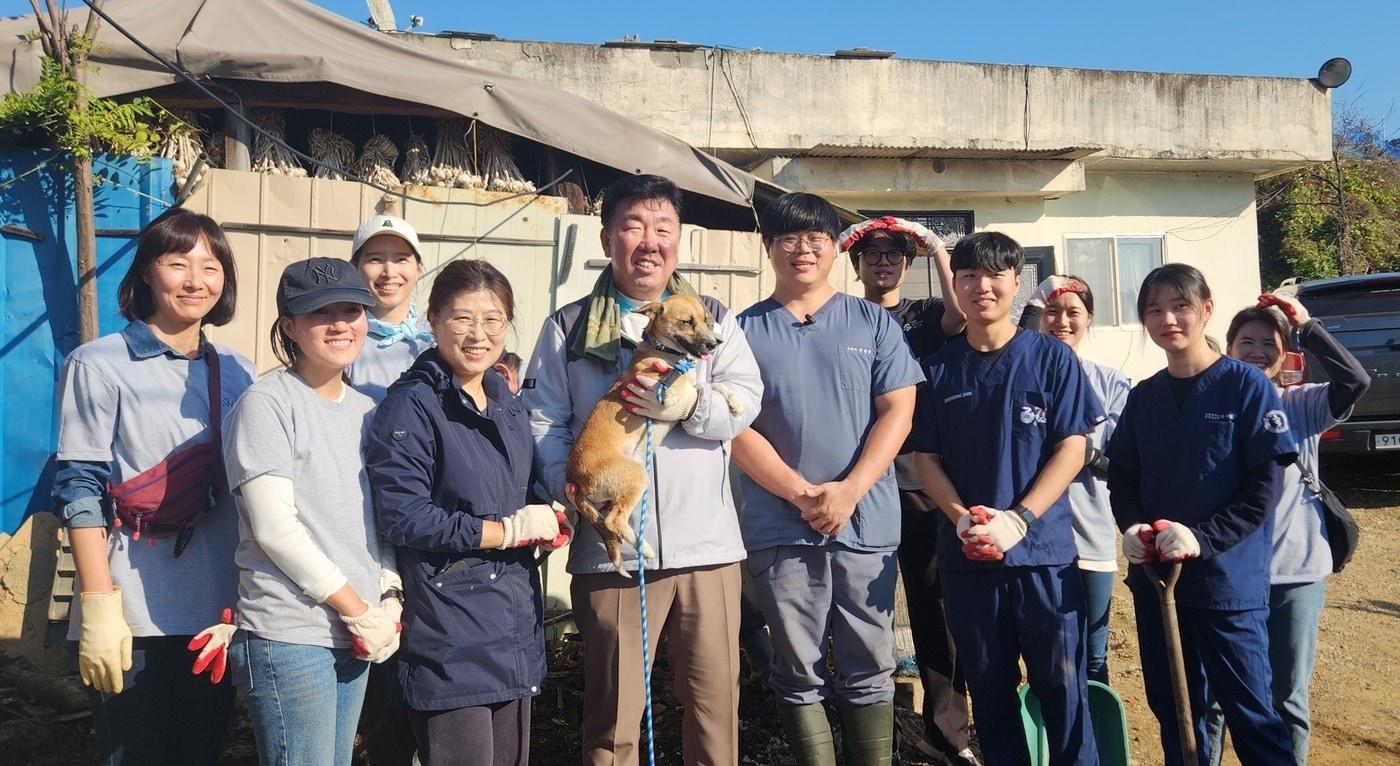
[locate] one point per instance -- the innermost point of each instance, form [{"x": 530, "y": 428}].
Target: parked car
[{"x": 1363, "y": 313}]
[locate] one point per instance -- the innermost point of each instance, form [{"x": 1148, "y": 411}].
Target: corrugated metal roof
[{"x": 858, "y": 151}]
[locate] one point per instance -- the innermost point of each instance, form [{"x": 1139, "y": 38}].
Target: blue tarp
[{"x": 38, "y": 290}]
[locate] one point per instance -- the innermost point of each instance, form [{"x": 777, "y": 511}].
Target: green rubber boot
[
  {"x": 808, "y": 734},
  {"x": 867, "y": 734}
]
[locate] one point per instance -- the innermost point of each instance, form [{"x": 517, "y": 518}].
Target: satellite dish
[
  {"x": 1334, "y": 72},
  {"x": 381, "y": 16}
]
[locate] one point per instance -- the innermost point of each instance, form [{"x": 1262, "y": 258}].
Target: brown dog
[{"x": 607, "y": 471}]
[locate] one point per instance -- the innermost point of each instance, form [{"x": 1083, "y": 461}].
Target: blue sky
[{"x": 1247, "y": 37}]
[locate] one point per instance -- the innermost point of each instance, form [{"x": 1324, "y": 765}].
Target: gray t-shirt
[
  {"x": 284, "y": 428},
  {"x": 820, "y": 379},
  {"x": 1301, "y": 553},
  {"x": 378, "y": 367},
  {"x": 132, "y": 410},
  {"x": 1095, "y": 532}
]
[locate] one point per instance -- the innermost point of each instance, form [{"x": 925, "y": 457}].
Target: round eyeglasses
[
  {"x": 873, "y": 257},
  {"x": 491, "y": 325}
]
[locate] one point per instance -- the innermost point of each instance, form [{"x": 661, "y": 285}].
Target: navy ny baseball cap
[{"x": 315, "y": 282}]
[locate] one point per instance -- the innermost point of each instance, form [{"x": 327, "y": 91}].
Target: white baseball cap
[{"x": 385, "y": 224}]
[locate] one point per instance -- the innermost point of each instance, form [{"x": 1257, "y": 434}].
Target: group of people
[{"x": 355, "y": 537}]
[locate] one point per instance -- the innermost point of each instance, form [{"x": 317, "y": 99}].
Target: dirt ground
[{"x": 1355, "y": 691}]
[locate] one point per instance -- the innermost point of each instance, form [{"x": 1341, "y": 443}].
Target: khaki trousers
[{"x": 697, "y": 609}]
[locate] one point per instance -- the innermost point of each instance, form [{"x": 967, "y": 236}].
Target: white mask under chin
[{"x": 632, "y": 325}]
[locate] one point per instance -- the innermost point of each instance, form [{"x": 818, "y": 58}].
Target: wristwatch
[
  {"x": 1026, "y": 514},
  {"x": 392, "y": 593}
]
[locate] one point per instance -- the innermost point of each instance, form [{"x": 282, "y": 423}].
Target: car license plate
[{"x": 1387, "y": 441}]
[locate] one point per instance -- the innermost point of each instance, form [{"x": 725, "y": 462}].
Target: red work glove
[
  {"x": 566, "y": 533},
  {"x": 977, "y": 547},
  {"x": 213, "y": 641},
  {"x": 1294, "y": 311}
]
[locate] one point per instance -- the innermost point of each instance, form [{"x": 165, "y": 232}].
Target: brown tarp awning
[{"x": 291, "y": 41}]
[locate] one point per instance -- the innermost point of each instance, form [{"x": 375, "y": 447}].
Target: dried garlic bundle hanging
[
  {"x": 498, "y": 167},
  {"x": 273, "y": 157},
  {"x": 452, "y": 162},
  {"x": 416, "y": 161},
  {"x": 214, "y": 149},
  {"x": 182, "y": 146},
  {"x": 335, "y": 153},
  {"x": 376, "y": 163}
]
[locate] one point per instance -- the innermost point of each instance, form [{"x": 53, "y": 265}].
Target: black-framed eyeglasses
[{"x": 873, "y": 257}]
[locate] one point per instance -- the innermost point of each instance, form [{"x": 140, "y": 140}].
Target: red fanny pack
[{"x": 173, "y": 495}]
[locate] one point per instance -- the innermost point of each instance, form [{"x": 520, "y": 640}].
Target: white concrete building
[{"x": 1102, "y": 174}]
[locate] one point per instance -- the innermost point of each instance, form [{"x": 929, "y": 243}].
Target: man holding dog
[
  {"x": 820, "y": 508},
  {"x": 693, "y": 583}
]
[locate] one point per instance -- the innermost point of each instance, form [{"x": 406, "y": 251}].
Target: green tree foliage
[
  {"x": 1335, "y": 218},
  {"x": 48, "y": 116}
]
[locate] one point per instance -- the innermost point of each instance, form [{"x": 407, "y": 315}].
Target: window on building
[
  {"x": 1114, "y": 267},
  {"x": 952, "y": 225}
]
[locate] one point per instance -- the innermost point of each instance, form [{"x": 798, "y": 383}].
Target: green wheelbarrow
[{"x": 1105, "y": 711}]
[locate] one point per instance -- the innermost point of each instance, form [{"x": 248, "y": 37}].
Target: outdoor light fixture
[{"x": 1334, "y": 73}]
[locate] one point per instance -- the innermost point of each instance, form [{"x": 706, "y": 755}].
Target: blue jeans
[
  {"x": 1098, "y": 591},
  {"x": 165, "y": 713},
  {"x": 1293, "y": 615},
  {"x": 304, "y": 701}
]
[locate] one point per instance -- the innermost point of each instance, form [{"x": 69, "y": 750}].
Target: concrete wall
[{"x": 736, "y": 101}]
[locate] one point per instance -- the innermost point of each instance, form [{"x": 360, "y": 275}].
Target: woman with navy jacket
[
  {"x": 1301, "y": 557},
  {"x": 1195, "y": 469},
  {"x": 449, "y": 460}
]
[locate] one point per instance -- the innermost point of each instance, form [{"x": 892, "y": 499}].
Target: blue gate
[{"x": 39, "y": 298}]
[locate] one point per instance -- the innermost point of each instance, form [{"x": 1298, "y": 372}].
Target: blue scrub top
[
  {"x": 820, "y": 381},
  {"x": 996, "y": 426},
  {"x": 1193, "y": 459}
]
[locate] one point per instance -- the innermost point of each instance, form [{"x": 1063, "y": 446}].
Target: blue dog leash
[{"x": 677, "y": 370}]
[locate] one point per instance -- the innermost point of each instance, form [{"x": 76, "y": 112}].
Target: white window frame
[{"x": 1126, "y": 316}]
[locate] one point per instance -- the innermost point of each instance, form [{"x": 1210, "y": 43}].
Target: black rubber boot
[
  {"x": 808, "y": 734},
  {"x": 867, "y": 734}
]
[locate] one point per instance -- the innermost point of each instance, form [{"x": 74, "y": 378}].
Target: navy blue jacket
[{"x": 438, "y": 467}]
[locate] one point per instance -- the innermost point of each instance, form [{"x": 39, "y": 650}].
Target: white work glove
[
  {"x": 1051, "y": 287},
  {"x": 1175, "y": 542},
  {"x": 212, "y": 645},
  {"x": 1296, "y": 313},
  {"x": 1138, "y": 545},
  {"x": 640, "y": 395},
  {"x": 965, "y": 522},
  {"x": 104, "y": 644},
  {"x": 854, "y": 232},
  {"x": 531, "y": 525},
  {"x": 375, "y": 634},
  {"x": 1003, "y": 531},
  {"x": 393, "y": 608}
]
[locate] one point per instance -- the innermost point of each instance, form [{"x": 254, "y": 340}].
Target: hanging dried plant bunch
[
  {"x": 416, "y": 161},
  {"x": 376, "y": 163},
  {"x": 273, "y": 157},
  {"x": 497, "y": 165},
  {"x": 452, "y": 160},
  {"x": 335, "y": 153},
  {"x": 183, "y": 144}
]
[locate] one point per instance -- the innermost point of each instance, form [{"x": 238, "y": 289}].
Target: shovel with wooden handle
[{"x": 1164, "y": 576}]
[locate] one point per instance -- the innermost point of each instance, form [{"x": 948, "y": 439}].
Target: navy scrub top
[{"x": 995, "y": 426}]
